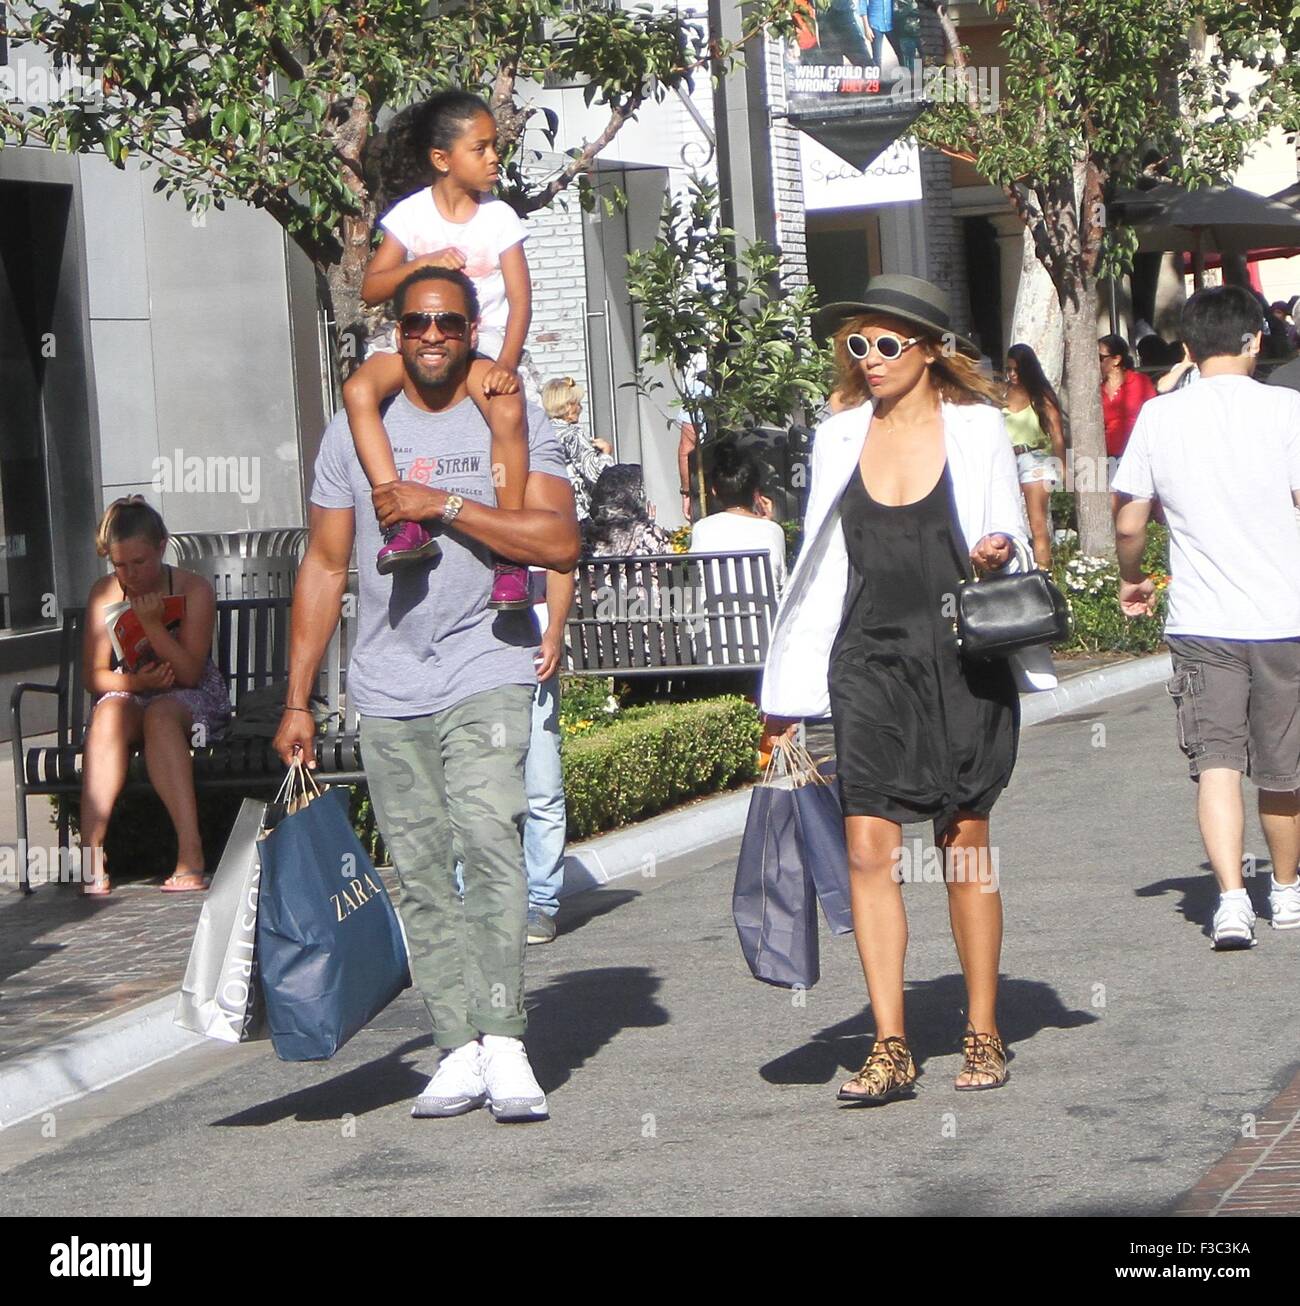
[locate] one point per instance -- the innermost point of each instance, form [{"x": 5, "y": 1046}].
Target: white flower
[{"x": 611, "y": 705}]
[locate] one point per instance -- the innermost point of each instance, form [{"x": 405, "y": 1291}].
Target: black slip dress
[{"x": 921, "y": 733}]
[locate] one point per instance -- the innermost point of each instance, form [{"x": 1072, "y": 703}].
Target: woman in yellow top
[{"x": 1033, "y": 417}]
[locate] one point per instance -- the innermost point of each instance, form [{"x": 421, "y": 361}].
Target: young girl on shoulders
[{"x": 454, "y": 223}]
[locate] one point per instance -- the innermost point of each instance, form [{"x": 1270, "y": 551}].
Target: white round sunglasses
[{"x": 888, "y": 345}]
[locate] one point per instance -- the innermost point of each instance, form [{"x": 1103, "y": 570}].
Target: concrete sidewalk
[{"x": 680, "y": 1086}]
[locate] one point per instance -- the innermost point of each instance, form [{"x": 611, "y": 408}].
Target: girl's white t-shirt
[{"x": 495, "y": 227}]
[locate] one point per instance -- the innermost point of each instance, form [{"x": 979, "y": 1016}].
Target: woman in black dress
[{"x": 915, "y": 481}]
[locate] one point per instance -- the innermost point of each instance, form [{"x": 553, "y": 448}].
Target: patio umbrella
[
  {"x": 1291, "y": 195},
  {"x": 1210, "y": 219}
]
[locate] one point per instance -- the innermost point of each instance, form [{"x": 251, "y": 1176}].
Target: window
[{"x": 33, "y": 222}]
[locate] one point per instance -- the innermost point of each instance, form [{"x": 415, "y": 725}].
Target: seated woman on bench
[{"x": 153, "y": 680}]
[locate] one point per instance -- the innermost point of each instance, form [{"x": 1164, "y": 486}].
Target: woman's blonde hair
[
  {"x": 957, "y": 377},
  {"x": 558, "y": 394},
  {"x": 129, "y": 519}
]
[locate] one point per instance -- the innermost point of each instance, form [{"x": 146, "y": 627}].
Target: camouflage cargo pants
[{"x": 450, "y": 786}]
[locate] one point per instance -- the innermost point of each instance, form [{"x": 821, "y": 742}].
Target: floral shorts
[{"x": 208, "y": 702}]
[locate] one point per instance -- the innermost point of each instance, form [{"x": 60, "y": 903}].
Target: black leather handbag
[{"x": 1000, "y": 615}]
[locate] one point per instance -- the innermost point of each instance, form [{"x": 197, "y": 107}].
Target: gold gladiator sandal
[
  {"x": 986, "y": 1056},
  {"x": 889, "y": 1073}
]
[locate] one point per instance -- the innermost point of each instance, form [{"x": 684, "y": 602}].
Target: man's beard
[{"x": 430, "y": 374}]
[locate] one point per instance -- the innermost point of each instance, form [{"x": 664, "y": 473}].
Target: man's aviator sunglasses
[
  {"x": 452, "y": 326},
  {"x": 888, "y": 345}
]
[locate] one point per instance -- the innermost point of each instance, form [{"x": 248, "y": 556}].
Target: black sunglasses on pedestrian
[
  {"x": 452, "y": 326},
  {"x": 888, "y": 346}
]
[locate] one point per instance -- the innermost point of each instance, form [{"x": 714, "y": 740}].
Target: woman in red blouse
[{"x": 1123, "y": 392}]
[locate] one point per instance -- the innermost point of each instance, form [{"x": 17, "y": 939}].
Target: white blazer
[{"x": 986, "y": 487}]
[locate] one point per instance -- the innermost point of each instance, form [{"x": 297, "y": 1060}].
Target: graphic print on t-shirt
[{"x": 465, "y": 472}]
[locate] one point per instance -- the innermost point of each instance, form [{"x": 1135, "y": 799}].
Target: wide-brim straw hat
[{"x": 909, "y": 299}]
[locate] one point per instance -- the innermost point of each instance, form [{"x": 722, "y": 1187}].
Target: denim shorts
[
  {"x": 1238, "y": 705},
  {"x": 1035, "y": 468}
]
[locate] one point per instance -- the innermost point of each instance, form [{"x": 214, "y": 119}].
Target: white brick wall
[
  {"x": 556, "y": 341},
  {"x": 787, "y": 176}
]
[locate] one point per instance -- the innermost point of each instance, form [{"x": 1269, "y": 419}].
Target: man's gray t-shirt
[{"x": 426, "y": 638}]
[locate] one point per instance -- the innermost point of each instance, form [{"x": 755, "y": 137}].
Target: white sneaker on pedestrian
[
  {"x": 513, "y": 1093},
  {"x": 1234, "y": 925},
  {"x": 457, "y": 1085},
  {"x": 1284, "y": 905}
]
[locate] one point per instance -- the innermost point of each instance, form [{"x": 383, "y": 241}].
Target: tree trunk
[
  {"x": 1037, "y": 316},
  {"x": 348, "y": 316},
  {"x": 1088, "y": 473}
]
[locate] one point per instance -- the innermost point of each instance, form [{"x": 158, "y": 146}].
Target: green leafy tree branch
[
  {"x": 278, "y": 105},
  {"x": 737, "y": 348},
  {"x": 1095, "y": 94}
]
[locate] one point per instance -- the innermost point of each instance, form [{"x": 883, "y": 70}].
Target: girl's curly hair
[{"x": 399, "y": 156}]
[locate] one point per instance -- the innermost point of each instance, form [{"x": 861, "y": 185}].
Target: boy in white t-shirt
[{"x": 1223, "y": 458}]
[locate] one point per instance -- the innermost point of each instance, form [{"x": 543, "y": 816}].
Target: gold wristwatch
[{"x": 451, "y": 509}]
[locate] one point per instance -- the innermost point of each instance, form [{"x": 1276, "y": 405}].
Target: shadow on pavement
[
  {"x": 569, "y": 1020},
  {"x": 371, "y": 1087},
  {"x": 575, "y": 1015},
  {"x": 25, "y": 918},
  {"x": 587, "y": 906},
  {"x": 1201, "y": 893},
  {"x": 935, "y": 1025}
]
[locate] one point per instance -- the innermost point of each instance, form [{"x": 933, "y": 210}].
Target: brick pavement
[
  {"x": 1260, "y": 1175},
  {"x": 66, "y": 960}
]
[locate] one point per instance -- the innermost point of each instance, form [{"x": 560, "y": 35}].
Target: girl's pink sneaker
[
  {"x": 509, "y": 587},
  {"x": 408, "y": 542}
]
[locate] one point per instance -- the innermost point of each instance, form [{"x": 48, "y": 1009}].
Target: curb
[
  {"x": 91, "y": 1059},
  {"x": 112, "y": 1049},
  {"x": 1094, "y": 687}
]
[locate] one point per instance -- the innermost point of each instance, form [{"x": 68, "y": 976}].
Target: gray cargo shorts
[{"x": 1238, "y": 704}]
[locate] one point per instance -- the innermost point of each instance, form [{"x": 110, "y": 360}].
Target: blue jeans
[
  {"x": 544, "y": 826},
  {"x": 544, "y": 785}
]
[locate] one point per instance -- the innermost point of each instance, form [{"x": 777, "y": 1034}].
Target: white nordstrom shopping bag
[{"x": 221, "y": 996}]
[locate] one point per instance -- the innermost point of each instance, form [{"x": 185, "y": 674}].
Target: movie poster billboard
[{"x": 850, "y": 50}]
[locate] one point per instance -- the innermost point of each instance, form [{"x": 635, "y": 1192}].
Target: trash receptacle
[{"x": 243, "y": 564}]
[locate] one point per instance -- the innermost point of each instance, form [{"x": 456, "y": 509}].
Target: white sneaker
[
  {"x": 456, "y": 1087},
  {"x": 1284, "y": 905},
  {"x": 512, "y": 1091},
  {"x": 1234, "y": 925}
]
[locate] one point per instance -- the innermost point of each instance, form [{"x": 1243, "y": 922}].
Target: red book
[{"x": 127, "y": 636}]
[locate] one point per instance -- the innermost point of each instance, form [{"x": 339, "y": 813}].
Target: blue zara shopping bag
[{"x": 329, "y": 947}]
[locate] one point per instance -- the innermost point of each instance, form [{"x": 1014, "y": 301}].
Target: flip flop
[
  {"x": 96, "y": 888},
  {"x": 170, "y": 886}
]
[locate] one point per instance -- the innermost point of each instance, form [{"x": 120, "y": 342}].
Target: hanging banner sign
[{"x": 831, "y": 182}]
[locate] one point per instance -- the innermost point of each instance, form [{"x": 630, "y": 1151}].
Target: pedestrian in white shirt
[
  {"x": 1223, "y": 457},
  {"x": 737, "y": 525}
]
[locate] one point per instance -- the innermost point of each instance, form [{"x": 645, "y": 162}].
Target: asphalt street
[{"x": 679, "y": 1085}]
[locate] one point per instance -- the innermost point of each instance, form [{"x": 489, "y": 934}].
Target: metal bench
[
  {"x": 659, "y": 616},
  {"x": 251, "y": 649},
  {"x": 671, "y": 614}
]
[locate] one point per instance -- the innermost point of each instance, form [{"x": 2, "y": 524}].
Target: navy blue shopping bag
[
  {"x": 820, "y": 827},
  {"x": 329, "y": 946},
  {"x": 792, "y": 855},
  {"x": 774, "y": 902}
]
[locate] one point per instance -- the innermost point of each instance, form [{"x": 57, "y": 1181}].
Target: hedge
[{"x": 656, "y": 756}]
